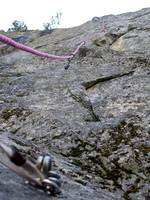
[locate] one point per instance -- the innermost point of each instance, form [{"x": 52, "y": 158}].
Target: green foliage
[
  {"x": 53, "y": 23},
  {"x": 18, "y": 26}
]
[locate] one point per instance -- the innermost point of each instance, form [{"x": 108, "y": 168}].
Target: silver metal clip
[{"x": 37, "y": 172}]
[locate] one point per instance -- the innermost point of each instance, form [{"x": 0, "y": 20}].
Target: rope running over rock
[{"x": 23, "y": 47}]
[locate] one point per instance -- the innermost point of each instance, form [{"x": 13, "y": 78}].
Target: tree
[
  {"x": 54, "y": 22},
  {"x": 18, "y": 26}
]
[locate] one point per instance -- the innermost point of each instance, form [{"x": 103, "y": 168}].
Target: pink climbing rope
[{"x": 23, "y": 47}]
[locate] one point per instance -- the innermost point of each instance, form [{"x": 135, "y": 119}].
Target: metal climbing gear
[{"x": 37, "y": 172}]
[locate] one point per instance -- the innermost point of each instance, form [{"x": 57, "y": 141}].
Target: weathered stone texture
[{"x": 94, "y": 118}]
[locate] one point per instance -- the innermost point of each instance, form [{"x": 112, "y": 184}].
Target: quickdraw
[{"x": 37, "y": 172}]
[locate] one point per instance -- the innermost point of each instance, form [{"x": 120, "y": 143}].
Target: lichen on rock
[{"x": 93, "y": 118}]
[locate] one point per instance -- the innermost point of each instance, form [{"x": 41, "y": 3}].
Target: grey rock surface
[
  {"x": 94, "y": 118},
  {"x": 13, "y": 187}
]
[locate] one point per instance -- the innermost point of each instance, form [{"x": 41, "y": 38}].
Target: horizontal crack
[
  {"x": 92, "y": 83},
  {"x": 11, "y": 74}
]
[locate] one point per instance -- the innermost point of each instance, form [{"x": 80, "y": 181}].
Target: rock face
[{"x": 94, "y": 118}]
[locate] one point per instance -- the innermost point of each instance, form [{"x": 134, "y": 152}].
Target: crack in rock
[{"x": 92, "y": 83}]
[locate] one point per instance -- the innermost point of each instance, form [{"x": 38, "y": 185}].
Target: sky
[{"x": 36, "y": 12}]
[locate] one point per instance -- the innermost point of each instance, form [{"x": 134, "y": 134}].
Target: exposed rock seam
[
  {"x": 92, "y": 83},
  {"x": 85, "y": 104}
]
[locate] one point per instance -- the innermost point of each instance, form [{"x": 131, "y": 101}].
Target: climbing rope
[{"x": 23, "y": 47}]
